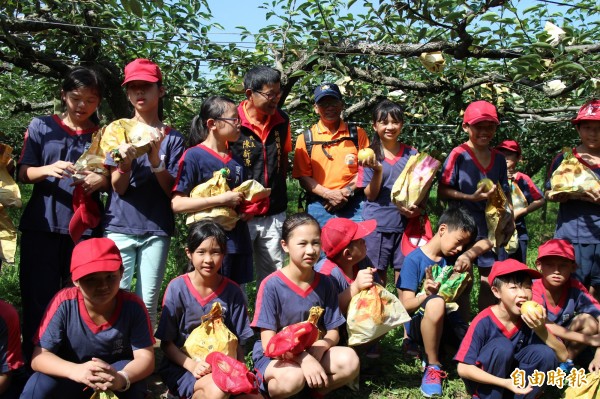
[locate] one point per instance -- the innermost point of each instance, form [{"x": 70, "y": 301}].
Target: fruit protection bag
[
  {"x": 92, "y": 159},
  {"x": 372, "y": 313},
  {"x": 10, "y": 195},
  {"x": 224, "y": 215},
  {"x": 412, "y": 186},
  {"x": 573, "y": 178},
  {"x": 295, "y": 338},
  {"x": 589, "y": 390},
  {"x": 124, "y": 131},
  {"x": 256, "y": 198},
  {"x": 231, "y": 375},
  {"x": 452, "y": 283},
  {"x": 108, "y": 394},
  {"x": 499, "y": 218},
  {"x": 211, "y": 336}
]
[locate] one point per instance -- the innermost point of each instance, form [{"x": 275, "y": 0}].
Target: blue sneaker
[
  {"x": 431, "y": 384},
  {"x": 567, "y": 366}
]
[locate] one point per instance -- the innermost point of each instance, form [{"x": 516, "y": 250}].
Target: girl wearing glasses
[
  {"x": 139, "y": 218},
  {"x": 217, "y": 123}
]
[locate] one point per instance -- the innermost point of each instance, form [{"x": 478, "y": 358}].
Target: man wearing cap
[
  {"x": 465, "y": 167},
  {"x": 526, "y": 196},
  {"x": 327, "y": 165},
  {"x": 93, "y": 335},
  {"x": 569, "y": 306},
  {"x": 579, "y": 219},
  {"x": 264, "y": 144},
  {"x": 502, "y": 340}
]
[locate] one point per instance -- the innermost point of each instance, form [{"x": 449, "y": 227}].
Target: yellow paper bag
[
  {"x": 223, "y": 215},
  {"x": 573, "y": 178},
  {"x": 211, "y": 336},
  {"x": 108, "y": 394},
  {"x": 123, "y": 131},
  {"x": 590, "y": 390}
]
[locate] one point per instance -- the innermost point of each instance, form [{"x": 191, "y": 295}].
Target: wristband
[
  {"x": 159, "y": 168},
  {"x": 127, "y": 382}
]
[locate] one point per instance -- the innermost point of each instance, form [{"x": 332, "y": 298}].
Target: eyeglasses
[
  {"x": 269, "y": 96},
  {"x": 234, "y": 120}
]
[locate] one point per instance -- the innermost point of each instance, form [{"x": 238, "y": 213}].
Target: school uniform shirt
[
  {"x": 68, "y": 331},
  {"x": 183, "y": 308},
  {"x": 462, "y": 171},
  {"x": 485, "y": 327},
  {"x": 413, "y": 271},
  {"x": 11, "y": 357},
  {"x": 388, "y": 216},
  {"x": 531, "y": 193},
  {"x": 339, "y": 279},
  {"x": 197, "y": 165},
  {"x": 48, "y": 140},
  {"x": 145, "y": 209},
  {"x": 578, "y": 221},
  {"x": 575, "y": 299}
]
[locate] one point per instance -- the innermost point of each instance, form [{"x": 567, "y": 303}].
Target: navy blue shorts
[
  {"x": 238, "y": 267},
  {"x": 384, "y": 249},
  {"x": 587, "y": 257}
]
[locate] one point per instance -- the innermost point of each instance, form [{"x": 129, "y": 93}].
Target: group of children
[{"x": 96, "y": 335}]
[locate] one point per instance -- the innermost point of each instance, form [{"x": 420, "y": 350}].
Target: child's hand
[
  {"x": 59, "y": 169},
  {"x": 314, "y": 373},
  {"x": 410, "y": 212},
  {"x": 536, "y": 320},
  {"x": 371, "y": 162},
  {"x": 157, "y": 138},
  {"x": 202, "y": 368},
  {"x": 560, "y": 197},
  {"x": 515, "y": 389},
  {"x": 463, "y": 264},
  {"x": 595, "y": 363},
  {"x": 231, "y": 198},
  {"x": 481, "y": 194},
  {"x": 91, "y": 181},
  {"x": 592, "y": 196},
  {"x": 431, "y": 287},
  {"x": 89, "y": 373},
  {"x": 109, "y": 378},
  {"x": 128, "y": 153},
  {"x": 364, "y": 278}
]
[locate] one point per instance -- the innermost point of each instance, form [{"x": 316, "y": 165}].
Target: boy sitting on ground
[
  {"x": 573, "y": 314},
  {"x": 501, "y": 337},
  {"x": 429, "y": 317}
]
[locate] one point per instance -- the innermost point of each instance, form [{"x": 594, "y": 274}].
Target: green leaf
[
  {"x": 136, "y": 8},
  {"x": 489, "y": 16},
  {"x": 298, "y": 73}
]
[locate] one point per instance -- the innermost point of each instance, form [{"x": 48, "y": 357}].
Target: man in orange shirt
[
  {"x": 329, "y": 172},
  {"x": 264, "y": 144}
]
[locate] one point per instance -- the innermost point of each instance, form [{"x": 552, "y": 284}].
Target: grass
[{"x": 395, "y": 375}]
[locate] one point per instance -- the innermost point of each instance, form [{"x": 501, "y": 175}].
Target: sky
[{"x": 232, "y": 13}]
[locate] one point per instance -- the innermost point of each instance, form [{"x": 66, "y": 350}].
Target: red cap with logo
[
  {"x": 510, "y": 145},
  {"x": 93, "y": 256},
  {"x": 339, "y": 232},
  {"x": 480, "y": 111},
  {"x": 557, "y": 247},
  {"x": 142, "y": 69},
  {"x": 589, "y": 111},
  {"x": 509, "y": 266}
]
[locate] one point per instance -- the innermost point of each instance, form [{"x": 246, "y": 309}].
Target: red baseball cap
[
  {"x": 339, "y": 232},
  {"x": 509, "y": 266},
  {"x": 589, "y": 111},
  {"x": 480, "y": 111},
  {"x": 416, "y": 234},
  {"x": 510, "y": 145},
  {"x": 93, "y": 256},
  {"x": 142, "y": 69},
  {"x": 557, "y": 247}
]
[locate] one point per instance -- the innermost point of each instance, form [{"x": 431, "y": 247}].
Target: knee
[
  {"x": 347, "y": 362},
  {"x": 435, "y": 309},
  {"x": 585, "y": 324},
  {"x": 209, "y": 390},
  {"x": 286, "y": 383}
]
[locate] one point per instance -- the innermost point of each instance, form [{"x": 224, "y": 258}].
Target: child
[
  {"x": 500, "y": 338},
  {"x": 430, "y": 320},
  {"x": 51, "y": 147},
  {"x": 533, "y": 196},
  {"x": 579, "y": 220},
  {"x": 284, "y": 298},
  {"x": 187, "y": 299},
  {"x": 217, "y": 124},
  {"x": 569, "y": 306},
  {"x": 11, "y": 360},
  {"x": 94, "y": 334},
  {"x": 377, "y": 176},
  {"x": 468, "y": 164},
  {"x": 343, "y": 242},
  {"x": 138, "y": 211}
]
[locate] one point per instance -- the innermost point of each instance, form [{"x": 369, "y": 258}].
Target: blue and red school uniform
[
  {"x": 68, "y": 331},
  {"x": 575, "y": 299},
  {"x": 411, "y": 278},
  {"x": 531, "y": 193},
  {"x": 280, "y": 303},
  {"x": 183, "y": 308},
  {"x": 462, "y": 171},
  {"x": 45, "y": 220},
  {"x": 383, "y": 245},
  {"x": 198, "y": 165},
  {"x": 498, "y": 351},
  {"x": 579, "y": 222},
  {"x": 11, "y": 358},
  {"x": 144, "y": 208}
]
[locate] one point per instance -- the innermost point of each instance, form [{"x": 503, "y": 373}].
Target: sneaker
[
  {"x": 567, "y": 366},
  {"x": 431, "y": 384},
  {"x": 411, "y": 348},
  {"x": 374, "y": 351}
]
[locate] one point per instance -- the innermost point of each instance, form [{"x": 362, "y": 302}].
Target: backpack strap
[{"x": 352, "y": 129}]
